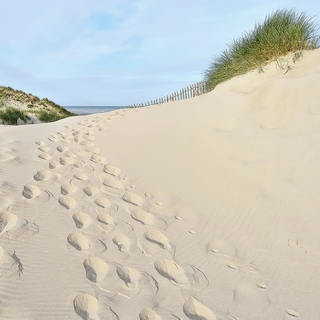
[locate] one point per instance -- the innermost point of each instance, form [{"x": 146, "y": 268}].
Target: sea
[{"x": 83, "y": 110}]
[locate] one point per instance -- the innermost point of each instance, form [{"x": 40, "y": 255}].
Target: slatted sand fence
[{"x": 191, "y": 91}]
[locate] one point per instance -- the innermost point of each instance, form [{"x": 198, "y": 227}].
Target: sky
[{"x": 121, "y": 52}]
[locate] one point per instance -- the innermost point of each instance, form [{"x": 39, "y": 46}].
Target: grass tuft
[
  {"x": 47, "y": 116},
  {"x": 283, "y": 32},
  {"x": 11, "y": 115}
]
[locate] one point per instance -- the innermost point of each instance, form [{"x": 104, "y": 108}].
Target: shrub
[
  {"x": 283, "y": 32},
  {"x": 11, "y": 115}
]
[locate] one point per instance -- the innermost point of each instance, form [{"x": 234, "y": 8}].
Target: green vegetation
[
  {"x": 16, "y": 104},
  {"x": 54, "y": 108},
  {"x": 283, "y": 32},
  {"x": 47, "y": 116},
  {"x": 11, "y": 115}
]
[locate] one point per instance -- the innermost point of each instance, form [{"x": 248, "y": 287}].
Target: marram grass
[
  {"x": 11, "y": 115},
  {"x": 283, "y": 32}
]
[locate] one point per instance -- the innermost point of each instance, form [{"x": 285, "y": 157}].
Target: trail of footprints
[
  {"x": 105, "y": 199},
  {"x": 101, "y": 225}
]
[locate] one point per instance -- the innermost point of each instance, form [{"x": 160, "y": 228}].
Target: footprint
[
  {"x": 102, "y": 127},
  {"x": 67, "y": 202},
  {"x": 122, "y": 242},
  {"x": 133, "y": 198},
  {"x": 54, "y": 138},
  {"x": 103, "y": 202},
  {"x": 63, "y": 134},
  {"x": 195, "y": 310},
  {"x": 232, "y": 265},
  {"x": 44, "y": 156},
  {"x": 81, "y": 176},
  {"x": 96, "y": 269},
  {"x": 86, "y": 306},
  {"x": 7, "y": 221},
  {"x": 30, "y": 191},
  {"x": 78, "y": 240},
  {"x": 89, "y": 137},
  {"x": 113, "y": 182},
  {"x": 87, "y": 143},
  {"x": 157, "y": 237},
  {"x": 95, "y": 150},
  {"x": 171, "y": 270},
  {"x": 43, "y": 175},
  {"x": 142, "y": 216},
  {"x": 44, "y": 149},
  {"x": 105, "y": 218},
  {"x": 77, "y": 132},
  {"x": 79, "y": 163},
  {"x": 78, "y": 139},
  {"x": 54, "y": 164},
  {"x": 129, "y": 275},
  {"x": 91, "y": 190},
  {"x": 62, "y": 148},
  {"x": 68, "y": 188},
  {"x": 70, "y": 154},
  {"x": 40, "y": 143},
  {"x": 96, "y": 158},
  {"x": 149, "y": 314},
  {"x": 81, "y": 219},
  {"x": 109, "y": 168},
  {"x": 66, "y": 141},
  {"x": 66, "y": 160}
]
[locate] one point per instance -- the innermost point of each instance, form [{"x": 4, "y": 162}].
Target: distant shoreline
[{"x": 85, "y": 110}]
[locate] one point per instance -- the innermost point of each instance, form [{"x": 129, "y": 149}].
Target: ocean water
[{"x": 82, "y": 110}]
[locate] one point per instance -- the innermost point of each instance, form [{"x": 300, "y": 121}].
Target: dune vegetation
[
  {"x": 283, "y": 32},
  {"x": 18, "y": 107},
  {"x": 11, "y": 115}
]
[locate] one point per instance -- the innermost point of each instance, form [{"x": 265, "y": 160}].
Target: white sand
[{"x": 206, "y": 208}]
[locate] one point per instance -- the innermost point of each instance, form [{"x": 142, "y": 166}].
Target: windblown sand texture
[{"x": 206, "y": 208}]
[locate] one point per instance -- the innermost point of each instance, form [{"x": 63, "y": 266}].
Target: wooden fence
[{"x": 191, "y": 91}]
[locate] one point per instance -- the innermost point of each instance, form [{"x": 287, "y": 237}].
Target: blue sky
[{"x": 119, "y": 52}]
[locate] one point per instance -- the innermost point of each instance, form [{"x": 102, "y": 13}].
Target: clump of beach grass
[
  {"x": 283, "y": 32},
  {"x": 47, "y": 116},
  {"x": 11, "y": 115}
]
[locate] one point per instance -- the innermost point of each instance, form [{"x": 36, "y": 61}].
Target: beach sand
[{"x": 206, "y": 208}]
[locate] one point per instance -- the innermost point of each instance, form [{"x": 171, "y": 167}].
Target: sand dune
[{"x": 200, "y": 209}]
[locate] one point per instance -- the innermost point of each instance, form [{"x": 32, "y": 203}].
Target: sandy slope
[{"x": 200, "y": 209}]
